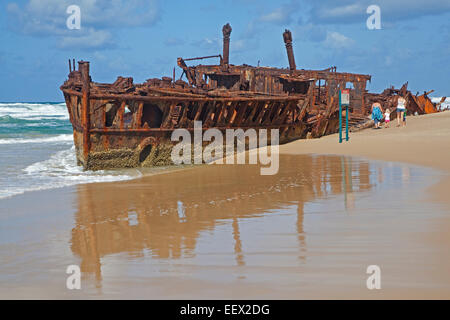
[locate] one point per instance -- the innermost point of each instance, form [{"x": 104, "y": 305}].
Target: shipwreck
[{"x": 124, "y": 124}]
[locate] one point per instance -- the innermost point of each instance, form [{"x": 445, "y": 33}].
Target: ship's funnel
[
  {"x": 226, "y": 30},
  {"x": 287, "y": 36}
]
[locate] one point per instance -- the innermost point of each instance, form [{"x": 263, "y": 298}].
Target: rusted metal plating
[{"x": 287, "y": 37}]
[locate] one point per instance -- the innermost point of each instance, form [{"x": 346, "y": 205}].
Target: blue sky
[{"x": 143, "y": 38}]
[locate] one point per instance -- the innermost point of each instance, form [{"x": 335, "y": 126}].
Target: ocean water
[
  {"x": 37, "y": 152},
  {"x": 444, "y": 105}
]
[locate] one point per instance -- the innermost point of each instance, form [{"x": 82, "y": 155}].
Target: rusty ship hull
[
  {"x": 123, "y": 124},
  {"x": 127, "y": 130}
]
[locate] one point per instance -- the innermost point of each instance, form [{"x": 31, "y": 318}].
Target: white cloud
[
  {"x": 354, "y": 11},
  {"x": 208, "y": 43},
  {"x": 278, "y": 15},
  {"x": 337, "y": 40},
  {"x": 47, "y": 18},
  {"x": 342, "y": 11},
  {"x": 94, "y": 39},
  {"x": 281, "y": 15}
]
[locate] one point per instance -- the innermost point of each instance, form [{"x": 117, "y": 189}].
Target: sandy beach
[
  {"x": 227, "y": 232},
  {"x": 425, "y": 141},
  {"x": 160, "y": 150}
]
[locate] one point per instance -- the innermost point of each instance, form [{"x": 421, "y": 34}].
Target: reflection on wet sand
[{"x": 165, "y": 214}]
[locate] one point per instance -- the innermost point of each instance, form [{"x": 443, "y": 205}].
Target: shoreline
[
  {"x": 422, "y": 143},
  {"x": 380, "y": 150},
  {"x": 401, "y": 149}
]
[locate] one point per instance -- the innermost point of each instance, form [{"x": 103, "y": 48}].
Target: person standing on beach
[
  {"x": 377, "y": 114},
  {"x": 401, "y": 107},
  {"x": 387, "y": 118}
]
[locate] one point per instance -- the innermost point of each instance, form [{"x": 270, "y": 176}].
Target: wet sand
[
  {"x": 425, "y": 141},
  {"x": 227, "y": 232}
]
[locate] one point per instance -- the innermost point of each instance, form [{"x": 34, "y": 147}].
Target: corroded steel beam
[
  {"x": 287, "y": 36},
  {"x": 83, "y": 66},
  {"x": 226, "y": 31}
]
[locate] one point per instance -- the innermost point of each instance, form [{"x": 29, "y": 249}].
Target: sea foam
[
  {"x": 49, "y": 139},
  {"x": 34, "y": 111},
  {"x": 61, "y": 170}
]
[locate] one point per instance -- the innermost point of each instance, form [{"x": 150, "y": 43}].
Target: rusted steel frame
[
  {"x": 211, "y": 109},
  {"x": 170, "y": 98},
  {"x": 120, "y": 114},
  {"x": 249, "y": 119},
  {"x": 221, "y": 115},
  {"x": 363, "y": 90},
  {"x": 105, "y": 138},
  {"x": 231, "y": 113},
  {"x": 241, "y": 112},
  {"x": 184, "y": 121},
  {"x": 287, "y": 37},
  {"x": 261, "y": 114},
  {"x": 84, "y": 68},
  {"x": 247, "y": 111},
  {"x": 259, "y": 107},
  {"x": 180, "y": 99},
  {"x": 273, "y": 109},
  {"x": 325, "y": 127},
  {"x": 303, "y": 110},
  {"x": 171, "y": 93},
  {"x": 74, "y": 105},
  {"x": 206, "y": 57},
  {"x": 218, "y": 112},
  {"x": 280, "y": 115},
  {"x": 281, "y": 118},
  {"x": 139, "y": 114},
  {"x": 186, "y": 70},
  {"x": 414, "y": 99},
  {"x": 200, "y": 110},
  {"x": 312, "y": 86},
  {"x": 150, "y": 130},
  {"x": 318, "y": 95},
  {"x": 165, "y": 111},
  {"x": 268, "y": 111},
  {"x": 78, "y": 127},
  {"x": 330, "y": 110},
  {"x": 332, "y": 75},
  {"x": 226, "y": 31},
  {"x": 167, "y": 120},
  {"x": 280, "y": 110}
]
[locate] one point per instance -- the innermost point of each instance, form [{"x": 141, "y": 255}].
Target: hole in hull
[
  {"x": 145, "y": 153},
  {"x": 152, "y": 116}
]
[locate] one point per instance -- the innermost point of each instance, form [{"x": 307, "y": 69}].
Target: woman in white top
[{"x": 401, "y": 106}]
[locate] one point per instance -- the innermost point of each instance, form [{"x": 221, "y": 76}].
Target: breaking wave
[
  {"x": 58, "y": 138},
  {"x": 35, "y": 150},
  {"x": 444, "y": 105},
  {"x": 61, "y": 170},
  {"x": 34, "y": 111}
]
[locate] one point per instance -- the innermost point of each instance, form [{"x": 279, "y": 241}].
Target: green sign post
[{"x": 344, "y": 100}]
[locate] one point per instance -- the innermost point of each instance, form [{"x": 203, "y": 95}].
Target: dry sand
[{"x": 425, "y": 141}]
